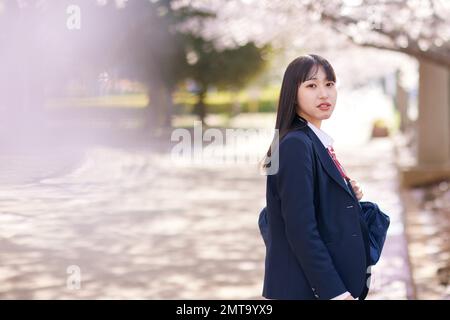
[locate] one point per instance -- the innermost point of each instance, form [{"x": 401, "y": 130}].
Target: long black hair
[{"x": 298, "y": 71}]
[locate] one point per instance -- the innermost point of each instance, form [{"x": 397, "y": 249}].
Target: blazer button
[
  {"x": 316, "y": 296},
  {"x": 349, "y": 207},
  {"x": 354, "y": 235}
]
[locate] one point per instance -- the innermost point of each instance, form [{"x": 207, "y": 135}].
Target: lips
[{"x": 324, "y": 105}]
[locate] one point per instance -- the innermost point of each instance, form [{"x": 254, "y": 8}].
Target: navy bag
[
  {"x": 377, "y": 223},
  {"x": 373, "y": 219}
]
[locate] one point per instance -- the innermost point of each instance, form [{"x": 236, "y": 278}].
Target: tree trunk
[
  {"x": 200, "y": 106},
  {"x": 159, "y": 108},
  {"x": 169, "y": 108},
  {"x": 236, "y": 106}
]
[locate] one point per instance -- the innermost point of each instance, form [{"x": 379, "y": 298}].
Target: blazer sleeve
[{"x": 296, "y": 191}]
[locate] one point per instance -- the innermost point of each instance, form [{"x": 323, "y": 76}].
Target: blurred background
[{"x": 94, "y": 96}]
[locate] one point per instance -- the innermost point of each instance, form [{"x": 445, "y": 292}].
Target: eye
[
  {"x": 310, "y": 85},
  {"x": 330, "y": 84}
]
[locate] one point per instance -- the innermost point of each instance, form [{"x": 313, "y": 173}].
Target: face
[{"x": 316, "y": 98}]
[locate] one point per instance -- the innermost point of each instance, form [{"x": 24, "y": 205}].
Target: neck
[{"x": 316, "y": 122}]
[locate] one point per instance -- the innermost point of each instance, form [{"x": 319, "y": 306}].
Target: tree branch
[{"x": 433, "y": 54}]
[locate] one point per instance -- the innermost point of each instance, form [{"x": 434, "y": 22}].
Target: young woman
[{"x": 316, "y": 246}]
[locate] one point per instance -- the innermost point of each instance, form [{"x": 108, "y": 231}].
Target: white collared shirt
[{"x": 326, "y": 140}]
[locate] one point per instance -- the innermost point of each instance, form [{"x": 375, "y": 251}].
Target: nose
[{"x": 323, "y": 93}]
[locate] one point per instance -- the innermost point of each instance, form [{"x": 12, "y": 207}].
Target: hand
[
  {"x": 350, "y": 298},
  {"x": 357, "y": 189}
]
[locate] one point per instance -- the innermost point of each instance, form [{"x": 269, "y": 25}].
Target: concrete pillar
[
  {"x": 434, "y": 115},
  {"x": 433, "y": 128}
]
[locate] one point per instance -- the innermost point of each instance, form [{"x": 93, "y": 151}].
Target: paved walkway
[
  {"x": 136, "y": 227},
  {"x": 139, "y": 226}
]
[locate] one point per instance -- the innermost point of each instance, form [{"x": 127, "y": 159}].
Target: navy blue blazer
[{"x": 315, "y": 246}]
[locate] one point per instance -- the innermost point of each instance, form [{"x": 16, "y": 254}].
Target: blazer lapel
[{"x": 326, "y": 160}]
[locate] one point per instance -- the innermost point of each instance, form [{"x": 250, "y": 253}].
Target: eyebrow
[{"x": 318, "y": 79}]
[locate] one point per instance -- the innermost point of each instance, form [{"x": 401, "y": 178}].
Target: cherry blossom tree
[{"x": 419, "y": 28}]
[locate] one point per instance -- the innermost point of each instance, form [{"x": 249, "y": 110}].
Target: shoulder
[
  {"x": 295, "y": 152},
  {"x": 296, "y": 138},
  {"x": 295, "y": 146}
]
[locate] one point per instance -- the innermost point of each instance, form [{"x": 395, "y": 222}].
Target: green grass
[
  {"x": 217, "y": 102},
  {"x": 126, "y": 101}
]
